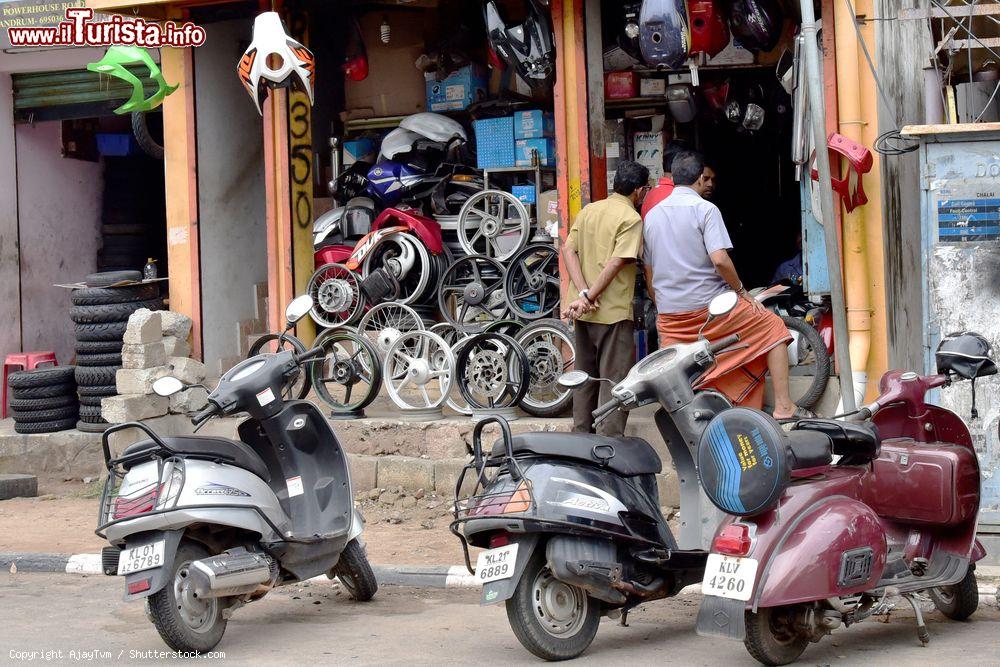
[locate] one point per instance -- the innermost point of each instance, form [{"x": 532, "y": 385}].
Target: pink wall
[{"x": 59, "y": 209}]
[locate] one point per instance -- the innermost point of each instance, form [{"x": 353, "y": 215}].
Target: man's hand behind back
[{"x": 579, "y": 307}]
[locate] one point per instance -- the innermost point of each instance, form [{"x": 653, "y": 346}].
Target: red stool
[{"x": 25, "y": 361}]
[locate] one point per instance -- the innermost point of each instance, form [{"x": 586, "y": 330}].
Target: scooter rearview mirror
[
  {"x": 723, "y": 304},
  {"x": 573, "y": 379},
  {"x": 298, "y": 308},
  {"x": 167, "y": 386}
]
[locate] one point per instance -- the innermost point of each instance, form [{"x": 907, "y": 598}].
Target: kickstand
[
  {"x": 623, "y": 621},
  {"x": 922, "y": 633}
]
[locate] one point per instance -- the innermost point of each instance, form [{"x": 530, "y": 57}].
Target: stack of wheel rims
[
  {"x": 43, "y": 400},
  {"x": 100, "y": 313}
]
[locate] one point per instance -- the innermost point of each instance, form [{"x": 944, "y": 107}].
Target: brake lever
[{"x": 733, "y": 348}]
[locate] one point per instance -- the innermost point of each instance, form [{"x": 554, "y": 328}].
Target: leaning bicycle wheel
[
  {"x": 336, "y": 295},
  {"x": 349, "y": 376},
  {"x": 271, "y": 343},
  {"x": 551, "y": 352},
  {"x": 807, "y": 358},
  {"x": 492, "y": 371}
]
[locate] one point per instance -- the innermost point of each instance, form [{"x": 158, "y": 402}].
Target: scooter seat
[
  {"x": 231, "y": 452},
  {"x": 625, "y": 456}
]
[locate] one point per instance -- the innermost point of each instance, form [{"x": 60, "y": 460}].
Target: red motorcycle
[{"x": 811, "y": 545}]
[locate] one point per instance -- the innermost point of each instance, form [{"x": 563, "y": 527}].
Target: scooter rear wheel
[
  {"x": 186, "y": 623},
  {"x": 770, "y": 639},
  {"x": 552, "y": 619},
  {"x": 960, "y": 601}
]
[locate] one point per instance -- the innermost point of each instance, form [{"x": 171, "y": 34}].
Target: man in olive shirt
[{"x": 600, "y": 255}]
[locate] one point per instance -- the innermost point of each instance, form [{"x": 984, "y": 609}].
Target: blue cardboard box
[
  {"x": 358, "y": 149},
  {"x": 534, "y": 125},
  {"x": 525, "y": 193},
  {"x": 494, "y": 142},
  {"x": 546, "y": 149},
  {"x": 455, "y": 93}
]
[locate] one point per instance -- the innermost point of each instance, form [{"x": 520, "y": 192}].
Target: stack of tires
[
  {"x": 101, "y": 315},
  {"x": 43, "y": 400}
]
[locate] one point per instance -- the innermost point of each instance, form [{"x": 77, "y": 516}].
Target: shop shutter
[{"x": 68, "y": 94}]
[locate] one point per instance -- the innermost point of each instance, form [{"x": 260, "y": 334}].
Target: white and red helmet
[{"x": 274, "y": 60}]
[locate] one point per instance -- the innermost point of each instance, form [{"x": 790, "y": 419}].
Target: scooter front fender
[
  {"x": 160, "y": 576},
  {"x": 834, "y": 547}
]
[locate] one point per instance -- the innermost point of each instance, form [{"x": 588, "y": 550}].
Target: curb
[{"x": 416, "y": 576}]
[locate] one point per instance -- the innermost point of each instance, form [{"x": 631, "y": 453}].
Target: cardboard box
[
  {"x": 652, "y": 87},
  {"x": 494, "y": 142},
  {"x": 359, "y": 149},
  {"x": 524, "y": 193},
  {"x": 394, "y": 87},
  {"x": 459, "y": 90},
  {"x": 548, "y": 212},
  {"x": 525, "y": 148},
  {"x": 621, "y": 85},
  {"x": 534, "y": 125},
  {"x": 648, "y": 149}
]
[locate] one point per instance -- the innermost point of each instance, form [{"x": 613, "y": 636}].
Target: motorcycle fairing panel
[
  {"x": 294, "y": 63},
  {"x": 528, "y": 47},
  {"x": 664, "y": 34}
]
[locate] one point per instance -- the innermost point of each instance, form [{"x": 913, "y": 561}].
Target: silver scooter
[{"x": 199, "y": 526}]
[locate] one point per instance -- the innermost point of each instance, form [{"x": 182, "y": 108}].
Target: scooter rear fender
[
  {"x": 503, "y": 589},
  {"x": 160, "y": 576}
]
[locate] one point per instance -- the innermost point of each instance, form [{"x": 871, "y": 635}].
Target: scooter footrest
[{"x": 722, "y": 617}]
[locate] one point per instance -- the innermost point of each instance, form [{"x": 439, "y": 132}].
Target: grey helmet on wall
[{"x": 528, "y": 47}]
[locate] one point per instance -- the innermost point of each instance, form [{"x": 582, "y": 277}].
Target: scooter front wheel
[
  {"x": 771, "y": 636},
  {"x": 355, "y": 572},
  {"x": 552, "y": 619},
  {"x": 187, "y": 623}
]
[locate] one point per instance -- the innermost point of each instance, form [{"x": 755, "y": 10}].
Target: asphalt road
[{"x": 85, "y": 619}]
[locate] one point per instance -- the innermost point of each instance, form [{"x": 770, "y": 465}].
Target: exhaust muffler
[{"x": 234, "y": 572}]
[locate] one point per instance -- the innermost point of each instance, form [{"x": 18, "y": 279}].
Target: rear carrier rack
[
  {"x": 513, "y": 498},
  {"x": 158, "y": 494}
]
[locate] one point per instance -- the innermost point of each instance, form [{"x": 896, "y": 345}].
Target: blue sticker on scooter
[{"x": 730, "y": 476}]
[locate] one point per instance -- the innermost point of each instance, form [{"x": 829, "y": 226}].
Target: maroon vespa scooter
[{"x": 811, "y": 545}]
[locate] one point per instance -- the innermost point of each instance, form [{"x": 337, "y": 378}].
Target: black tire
[
  {"x": 303, "y": 383},
  {"x": 821, "y": 365},
  {"x": 126, "y": 243},
  {"x": 355, "y": 572},
  {"x": 100, "y": 296},
  {"x": 40, "y": 377},
  {"x": 90, "y": 401},
  {"x": 100, "y": 332},
  {"x": 99, "y": 347},
  {"x": 93, "y": 420},
  {"x": 561, "y": 406},
  {"x": 42, "y": 403},
  {"x": 87, "y": 427},
  {"x": 44, "y": 427},
  {"x": 98, "y": 391},
  {"x": 53, "y": 390},
  {"x": 105, "y": 278},
  {"x": 165, "y": 608},
  {"x": 112, "y": 312},
  {"x": 523, "y": 614},
  {"x": 106, "y": 260},
  {"x": 110, "y": 359},
  {"x": 50, "y": 415},
  {"x": 90, "y": 412},
  {"x": 960, "y": 601},
  {"x": 94, "y": 376},
  {"x": 769, "y": 640},
  {"x": 124, "y": 229},
  {"x": 142, "y": 136}
]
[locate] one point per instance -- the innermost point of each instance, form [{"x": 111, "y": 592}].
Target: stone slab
[
  {"x": 14, "y": 485},
  {"x": 409, "y": 473},
  {"x": 144, "y": 326},
  {"x": 364, "y": 472}
]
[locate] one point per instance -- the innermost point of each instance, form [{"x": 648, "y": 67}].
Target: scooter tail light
[
  {"x": 125, "y": 507},
  {"x": 139, "y": 586},
  {"x": 499, "y": 540},
  {"x": 520, "y": 500},
  {"x": 733, "y": 540}
]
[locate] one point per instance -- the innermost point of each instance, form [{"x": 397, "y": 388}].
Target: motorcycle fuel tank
[{"x": 664, "y": 35}]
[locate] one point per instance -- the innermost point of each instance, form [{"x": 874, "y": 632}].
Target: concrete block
[
  {"x": 139, "y": 381},
  {"x": 406, "y": 472},
  {"x": 188, "y": 401},
  {"x": 119, "y": 409},
  {"x": 670, "y": 489},
  {"x": 364, "y": 471},
  {"x": 144, "y": 326},
  {"x": 188, "y": 371},
  {"x": 18, "y": 486},
  {"x": 446, "y": 472},
  {"x": 445, "y": 442},
  {"x": 176, "y": 347},
  {"x": 149, "y": 355},
  {"x": 175, "y": 324}
]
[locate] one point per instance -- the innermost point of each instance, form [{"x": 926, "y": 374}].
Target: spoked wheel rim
[
  {"x": 471, "y": 292},
  {"x": 348, "y": 377},
  {"x": 561, "y": 609},
  {"x": 407, "y": 260},
  {"x": 386, "y": 322},
  {"x": 531, "y": 284},
  {"x": 550, "y": 353},
  {"x": 198, "y": 614},
  {"x": 336, "y": 295},
  {"x": 418, "y": 369},
  {"x": 494, "y": 223}
]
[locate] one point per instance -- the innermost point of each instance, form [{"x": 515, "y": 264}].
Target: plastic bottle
[{"x": 149, "y": 271}]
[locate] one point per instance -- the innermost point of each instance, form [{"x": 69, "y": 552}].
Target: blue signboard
[{"x": 968, "y": 220}]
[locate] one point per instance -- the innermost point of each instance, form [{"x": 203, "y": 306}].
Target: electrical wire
[
  {"x": 961, "y": 24},
  {"x": 893, "y": 143}
]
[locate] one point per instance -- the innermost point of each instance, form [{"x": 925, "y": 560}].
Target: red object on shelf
[
  {"x": 709, "y": 30},
  {"x": 859, "y": 159},
  {"x": 621, "y": 85},
  {"x": 25, "y": 361}
]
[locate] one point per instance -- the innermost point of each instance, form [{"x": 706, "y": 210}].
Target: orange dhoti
[{"x": 738, "y": 374}]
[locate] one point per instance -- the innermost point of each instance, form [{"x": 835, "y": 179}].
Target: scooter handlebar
[
  {"x": 204, "y": 414},
  {"x": 603, "y": 410},
  {"x": 315, "y": 352},
  {"x": 723, "y": 343}
]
